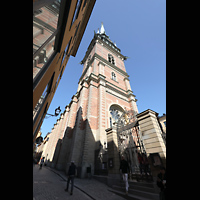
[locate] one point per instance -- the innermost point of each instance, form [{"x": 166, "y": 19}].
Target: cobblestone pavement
[
  {"x": 49, "y": 186},
  {"x": 92, "y": 187}
]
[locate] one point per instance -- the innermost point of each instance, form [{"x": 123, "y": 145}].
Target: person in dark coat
[
  {"x": 41, "y": 162},
  {"x": 146, "y": 164},
  {"x": 124, "y": 168},
  {"x": 141, "y": 163},
  {"x": 71, "y": 174}
]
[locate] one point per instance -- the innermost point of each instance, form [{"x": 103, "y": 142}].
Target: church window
[
  {"x": 115, "y": 114},
  {"x": 111, "y": 59},
  {"x": 113, "y": 76}
]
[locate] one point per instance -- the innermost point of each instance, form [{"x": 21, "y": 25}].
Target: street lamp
[
  {"x": 39, "y": 140},
  {"x": 57, "y": 112}
]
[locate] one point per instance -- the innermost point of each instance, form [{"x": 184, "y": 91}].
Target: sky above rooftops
[{"x": 139, "y": 29}]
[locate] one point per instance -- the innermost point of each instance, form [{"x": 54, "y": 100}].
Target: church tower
[{"x": 103, "y": 94}]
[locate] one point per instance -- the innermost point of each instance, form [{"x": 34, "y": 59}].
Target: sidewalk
[{"x": 91, "y": 187}]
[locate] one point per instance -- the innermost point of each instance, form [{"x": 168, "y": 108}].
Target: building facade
[
  {"x": 103, "y": 94},
  {"x": 58, "y": 27},
  {"x": 153, "y": 140}
]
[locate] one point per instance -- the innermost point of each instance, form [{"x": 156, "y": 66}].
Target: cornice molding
[{"x": 147, "y": 113}]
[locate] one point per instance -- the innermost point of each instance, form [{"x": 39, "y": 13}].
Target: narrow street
[{"x": 49, "y": 186}]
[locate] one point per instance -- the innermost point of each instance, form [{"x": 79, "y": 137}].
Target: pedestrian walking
[
  {"x": 161, "y": 183},
  {"x": 89, "y": 172},
  {"x": 146, "y": 164},
  {"x": 71, "y": 174},
  {"x": 41, "y": 162},
  {"x": 124, "y": 169}
]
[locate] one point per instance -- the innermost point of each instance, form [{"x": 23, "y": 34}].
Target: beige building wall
[{"x": 151, "y": 136}]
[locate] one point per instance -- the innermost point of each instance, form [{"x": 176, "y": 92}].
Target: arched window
[
  {"x": 115, "y": 113},
  {"x": 113, "y": 76},
  {"x": 111, "y": 59}
]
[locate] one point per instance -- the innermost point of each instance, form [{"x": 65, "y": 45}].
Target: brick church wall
[{"x": 88, "y": 114}]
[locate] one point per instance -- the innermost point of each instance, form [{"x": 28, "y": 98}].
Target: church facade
[{"x": 103, "y": 94}]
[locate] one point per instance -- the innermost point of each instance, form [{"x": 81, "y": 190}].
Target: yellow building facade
[{"x": 58, "y": 27}]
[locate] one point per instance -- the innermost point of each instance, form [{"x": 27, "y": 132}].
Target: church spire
[
  {"x": 104, "y": 35},
  {"x": 101, "y": 37},
  {"x": 102, "y": 30}
]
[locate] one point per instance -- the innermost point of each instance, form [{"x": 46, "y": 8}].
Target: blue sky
[{"x": 139, "y": 29}]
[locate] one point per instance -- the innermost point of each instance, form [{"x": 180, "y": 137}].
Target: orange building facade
[{"x": 58, "y": 27}]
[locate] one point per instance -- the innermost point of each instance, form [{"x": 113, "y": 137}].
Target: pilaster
[
  {"x": 77, "y": 148},
  {"x": 87, "y": 153},
  {"x": 102, "y": 106},
  {"x": 113, "y": 156},
  {"x": 68, "y": 133}
]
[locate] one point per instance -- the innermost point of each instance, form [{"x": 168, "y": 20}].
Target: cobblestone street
[{"x": 49, "y": 184}]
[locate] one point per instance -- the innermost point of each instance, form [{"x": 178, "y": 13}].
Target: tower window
[
  {"x": 111, "y": 59},
  {"x": 113, "y": 76}
]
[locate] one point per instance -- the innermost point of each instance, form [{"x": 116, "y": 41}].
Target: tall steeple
[
  {"x": 101, "y": 37},
  {"x": 102, "y": 30},
  {"x": 103, "y": 95},
  {"x": 104, "y": 36}
]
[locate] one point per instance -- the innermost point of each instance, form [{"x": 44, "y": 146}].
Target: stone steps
[{"x": 138, "y": 190}]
